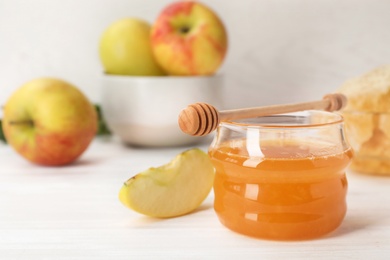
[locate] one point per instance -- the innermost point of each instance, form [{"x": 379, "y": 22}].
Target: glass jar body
[{"x": 281, "y": 177}]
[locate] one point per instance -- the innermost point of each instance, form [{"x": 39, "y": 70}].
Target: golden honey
[{"x": 289, "y": 188}]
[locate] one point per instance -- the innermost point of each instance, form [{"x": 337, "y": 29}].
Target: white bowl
[{"x": 144, "y": 111}]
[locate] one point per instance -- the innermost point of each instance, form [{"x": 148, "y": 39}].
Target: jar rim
[{"x": 296, "y": 120}]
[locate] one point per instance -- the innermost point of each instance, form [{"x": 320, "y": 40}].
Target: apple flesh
[
  {"x": 188, "y": 38},
  {"x": 125, "y": 49},
  {"x": 49, "y": 121},
  {"x": 173, "y": 189}
]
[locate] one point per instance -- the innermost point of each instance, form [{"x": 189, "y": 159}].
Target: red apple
[
  {"x": 49, "y": 121},
  {"x": 188, "y": 38}
]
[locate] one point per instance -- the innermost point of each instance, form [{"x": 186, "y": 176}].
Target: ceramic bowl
[{"x": 143, "y": 111}]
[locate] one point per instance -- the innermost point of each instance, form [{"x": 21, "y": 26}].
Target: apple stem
[
  {"x": 184, "y": 30},
  {"x": 22, "y": 122}
]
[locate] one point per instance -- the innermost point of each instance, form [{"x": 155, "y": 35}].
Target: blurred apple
[
  {"x": 188, "y": 38},
  {"x": 125, "y": 49},
  {"x": 49, "y": 121}
]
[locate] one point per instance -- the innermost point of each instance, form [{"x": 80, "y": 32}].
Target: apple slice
[{"x": 173, "y": 189}]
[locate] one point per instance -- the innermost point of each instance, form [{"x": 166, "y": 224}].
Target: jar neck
[{"x": 311, "y": 128}]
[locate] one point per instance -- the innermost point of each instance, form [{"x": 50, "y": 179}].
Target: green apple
[
  {"x": 173, "y": 189},
  {"x": 49, "y": 121},
  {"x": 188, "y": 38},
  {"x": 125, "y": 49}
]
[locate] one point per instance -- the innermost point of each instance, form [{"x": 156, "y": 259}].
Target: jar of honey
[{"x": 281, "y": 177}]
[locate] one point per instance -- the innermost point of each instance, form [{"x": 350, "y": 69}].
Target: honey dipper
[{"x": 201, "y": 119}]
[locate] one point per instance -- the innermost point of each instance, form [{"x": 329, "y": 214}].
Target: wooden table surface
[{"x": 73, "y": 212}]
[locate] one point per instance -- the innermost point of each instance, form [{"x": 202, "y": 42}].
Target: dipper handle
[{"x": 201, "y": 119}]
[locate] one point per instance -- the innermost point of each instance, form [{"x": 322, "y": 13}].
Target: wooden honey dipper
[{"x": 201, "y": 119}]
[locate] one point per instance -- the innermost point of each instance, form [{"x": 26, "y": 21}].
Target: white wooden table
[{"x": 73, "y": 212}]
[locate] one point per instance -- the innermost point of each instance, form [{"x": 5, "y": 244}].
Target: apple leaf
[
  {"x": 2, "y": 137},
  {"x": 102, "y": 127}
]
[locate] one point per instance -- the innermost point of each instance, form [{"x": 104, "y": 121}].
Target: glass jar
[{"x": 281, "y": 177}]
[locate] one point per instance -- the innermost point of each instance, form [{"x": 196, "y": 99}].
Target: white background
[{"x": 279, "y": 50}]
